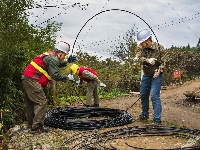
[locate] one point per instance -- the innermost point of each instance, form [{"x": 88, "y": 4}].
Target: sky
[{"x": 96, "y": 26}]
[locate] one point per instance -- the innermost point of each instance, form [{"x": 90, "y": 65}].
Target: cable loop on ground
[
  {"x": 69, "y": 118},
  {"x": 105, "y": 140}
]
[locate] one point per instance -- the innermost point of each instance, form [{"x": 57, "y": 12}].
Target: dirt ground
[{"x": 177, "y": 111}]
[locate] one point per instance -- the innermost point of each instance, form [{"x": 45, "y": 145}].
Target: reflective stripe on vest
[
  {"x": 46, "y": 53},
  {"x": 40, "y": 69}
]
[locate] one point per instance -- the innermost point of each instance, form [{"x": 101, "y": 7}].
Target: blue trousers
[{"x": 151, "y": 87}]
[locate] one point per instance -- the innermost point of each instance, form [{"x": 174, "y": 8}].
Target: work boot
[
  {"x": 39, "y": 129},
  {"x": 157, "y": 121},
  {"x": 142, "y": 118}
]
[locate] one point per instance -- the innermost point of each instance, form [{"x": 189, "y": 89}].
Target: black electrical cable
[
  {"x": 64, "y": 118},
  {"x": 136, "y": 131},
  {"x": 74, "y": 137},
  {"x": 146, "y": 130},
  {"x": 84, "y": 143},
  {"x": 90, "y": 144},
  {"x": 86, "y": 139},
  {"x": 108, "y": 11},
  {"x": 156, "y": 130},
  {"x": 104, "y": 126}
]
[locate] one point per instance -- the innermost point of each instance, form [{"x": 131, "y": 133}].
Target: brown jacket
[{"x": 156, "y": 51}]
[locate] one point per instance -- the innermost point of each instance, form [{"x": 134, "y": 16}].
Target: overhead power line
[{"x": 182, "y": 21}]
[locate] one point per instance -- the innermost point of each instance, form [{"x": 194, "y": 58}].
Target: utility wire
[
  {"x": 94, "y": 22},
  {"x": 113, "y": 40},
  {"x": 179, "y": 16}
]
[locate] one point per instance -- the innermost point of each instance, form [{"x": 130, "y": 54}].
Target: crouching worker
[
  {"x": 91, "y": 77},
  {"x": 36, "y": 76}
]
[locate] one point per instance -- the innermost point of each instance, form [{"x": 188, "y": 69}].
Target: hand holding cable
[
  {"x": 151, "y": 61},
  {"x": 70, "y": 77}
]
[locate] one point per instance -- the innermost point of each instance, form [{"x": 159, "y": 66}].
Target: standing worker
[
  {"x": 150, "y": 55},
  {"x": 36, "y": 76},
  {"x": 91, "y": 77}
]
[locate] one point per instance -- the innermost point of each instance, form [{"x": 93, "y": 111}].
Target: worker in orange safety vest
[{"x": 36, "y": 76}]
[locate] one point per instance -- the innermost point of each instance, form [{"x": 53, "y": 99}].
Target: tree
[
  {"x": 126, "y": 48},
  {"x": 19, "y": 43}
]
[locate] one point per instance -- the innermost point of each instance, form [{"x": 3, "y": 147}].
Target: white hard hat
[
  {"x": 143, "y": 35},
  {"x": 63, "y": 46}
]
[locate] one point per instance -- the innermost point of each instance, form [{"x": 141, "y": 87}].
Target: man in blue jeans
[{"x": 150, "y": 55}]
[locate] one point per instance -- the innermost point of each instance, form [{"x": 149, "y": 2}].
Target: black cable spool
[{"x": 67, "y": 118}]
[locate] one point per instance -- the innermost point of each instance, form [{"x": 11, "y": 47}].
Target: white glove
[
  {"x": 151, "y": 61},
  {"x": 157, "y": 73},
  {"x": 77, "y": 82},
  {"x": 135, "y": 59},
  {"x": 70, "y": 77},
  {"x": 102, "y": 85}
]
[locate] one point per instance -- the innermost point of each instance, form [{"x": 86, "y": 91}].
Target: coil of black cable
[{"x": 68, "y": 118}]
